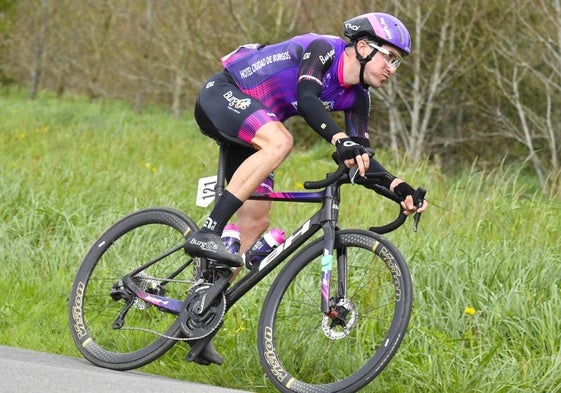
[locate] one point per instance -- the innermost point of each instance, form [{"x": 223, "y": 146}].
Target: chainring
[{"x": 196, "y": 325}]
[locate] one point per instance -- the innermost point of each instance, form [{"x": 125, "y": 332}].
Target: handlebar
[
  {"x": 331, "y": 177},
  {"x": 373, "y": 178}
]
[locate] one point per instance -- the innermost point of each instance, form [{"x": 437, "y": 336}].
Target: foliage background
[
  {"x": 485, "y": 262},
  {"x": 483, "y": 82},
  {"x": 86, "y": 136}
]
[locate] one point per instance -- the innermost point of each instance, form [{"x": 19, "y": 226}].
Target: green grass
[{"x": 485, "y": 262}]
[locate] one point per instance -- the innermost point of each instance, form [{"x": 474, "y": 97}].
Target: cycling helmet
[
  {"x": 379, "y": 27},
  {"x": 383, "y": 28}
]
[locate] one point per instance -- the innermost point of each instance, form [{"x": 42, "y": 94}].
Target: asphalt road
[{"x": 24, "y": 371}]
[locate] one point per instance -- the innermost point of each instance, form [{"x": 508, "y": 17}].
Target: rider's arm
[
  {"x": 314, "y": 64},
  {"x": 356, "y": 121}
]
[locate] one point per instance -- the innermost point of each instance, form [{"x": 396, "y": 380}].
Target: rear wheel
[
  {"x": 303, "y": 350},
  {"x": 99, "y": 303}
]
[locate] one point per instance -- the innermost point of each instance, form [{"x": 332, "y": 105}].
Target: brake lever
[
  {"x": 418, "y": 198},
  {"x": 416, "y": 219},
  {"x": 352, "y": 174},
  {"x": 353, "y": 171}
]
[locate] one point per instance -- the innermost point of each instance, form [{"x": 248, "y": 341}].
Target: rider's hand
[
  {"x": 353, "y": 154},
  {"x": 405, "y": 191},
  {"x": 410, "y": 208}
]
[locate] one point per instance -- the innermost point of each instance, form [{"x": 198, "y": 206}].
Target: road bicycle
[{"x": 333, "y": 318}]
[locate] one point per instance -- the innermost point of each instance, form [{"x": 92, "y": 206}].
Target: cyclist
[{"x": 261, "y": 86}]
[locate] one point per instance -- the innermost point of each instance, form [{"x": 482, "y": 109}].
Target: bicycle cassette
[{"x": 195, "y": 324}]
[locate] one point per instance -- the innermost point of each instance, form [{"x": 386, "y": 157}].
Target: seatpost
[{"x": 221, "y": 171}]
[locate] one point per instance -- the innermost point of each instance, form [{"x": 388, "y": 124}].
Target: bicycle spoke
[
  {"x": 111, "y": 325},
  {"x": 350, "y": 344}
]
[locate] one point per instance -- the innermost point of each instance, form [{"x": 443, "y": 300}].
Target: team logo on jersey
[
  {"x": 236, "y": 103},
  {"x": 327, "y": 105},
  {"x": 328, "y": 56}
]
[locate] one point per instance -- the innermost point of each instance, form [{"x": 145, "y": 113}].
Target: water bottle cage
[{"x": 252, "y": 256}]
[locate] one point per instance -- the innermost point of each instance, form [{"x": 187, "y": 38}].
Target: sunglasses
[{"x": 392, "y": 59}]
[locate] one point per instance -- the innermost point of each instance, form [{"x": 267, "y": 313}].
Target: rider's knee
[
  {"x": 275, "y": 139},
  {"x": 281, "y": 146},
  {"x": 287, "y": 143}
]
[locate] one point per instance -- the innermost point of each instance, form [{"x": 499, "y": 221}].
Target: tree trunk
[{"x": 37, "y": 64}]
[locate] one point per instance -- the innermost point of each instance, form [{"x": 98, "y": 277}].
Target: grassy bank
[{"x": 485, "y": 263}]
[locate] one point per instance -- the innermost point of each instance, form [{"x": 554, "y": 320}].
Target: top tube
[{"x": 291, "y": 196}]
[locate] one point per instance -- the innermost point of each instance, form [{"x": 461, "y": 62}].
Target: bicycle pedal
[
  {"x": 206, "y": 356},
  {"x": 216, "y": 264}
]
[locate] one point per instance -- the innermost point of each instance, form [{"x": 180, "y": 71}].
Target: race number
[{"x": 205, "y": 190}]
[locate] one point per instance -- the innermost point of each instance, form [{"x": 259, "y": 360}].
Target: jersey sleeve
[
  {"x": 356, "y": 119},
  {"x": 316, "y": 60}
]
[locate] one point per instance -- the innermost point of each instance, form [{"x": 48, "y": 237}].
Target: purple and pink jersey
[{"x": 270, "y": 74}]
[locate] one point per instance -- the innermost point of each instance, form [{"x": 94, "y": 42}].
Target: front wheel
[{"x": 303, "y": 350}]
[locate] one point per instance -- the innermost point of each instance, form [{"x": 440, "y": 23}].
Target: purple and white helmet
[{"x": 380, "y": 27}]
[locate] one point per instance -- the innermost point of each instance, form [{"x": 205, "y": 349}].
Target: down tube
[{"x": 282, "y": 252}]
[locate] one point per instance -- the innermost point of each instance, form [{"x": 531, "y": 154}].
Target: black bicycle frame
[{"x": 326, "y": 218}]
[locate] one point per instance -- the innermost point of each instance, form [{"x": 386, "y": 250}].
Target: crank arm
[{"x": 215, "y": 290}]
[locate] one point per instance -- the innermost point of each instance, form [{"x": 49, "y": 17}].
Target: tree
[
  {"x": 40, "y": 48},
  {"x": 7, "y": 14},
  {"x": 417, "y": 100},
  {"x": 526, "y": 68}
]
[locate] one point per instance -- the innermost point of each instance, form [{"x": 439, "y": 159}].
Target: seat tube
[{"x": 221, "y": 171}]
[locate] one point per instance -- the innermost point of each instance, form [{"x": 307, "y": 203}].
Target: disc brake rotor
[{"x": 341, "y": 321}]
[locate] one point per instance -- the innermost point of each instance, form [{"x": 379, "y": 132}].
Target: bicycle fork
[
  {"x": 329, "y": 225},
  {"x": 335, "y": 308}
]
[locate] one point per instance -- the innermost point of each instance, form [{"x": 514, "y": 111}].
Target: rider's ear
[{"x": 363, "y": 48}]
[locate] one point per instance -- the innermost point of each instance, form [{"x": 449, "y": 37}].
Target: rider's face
[{"x": 378, "y": 70}]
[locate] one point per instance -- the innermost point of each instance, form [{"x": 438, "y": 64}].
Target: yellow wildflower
[{"x": 470, "y": 310}]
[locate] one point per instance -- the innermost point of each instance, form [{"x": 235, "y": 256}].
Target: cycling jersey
[
  {"x": 262, "y": 83},
  {"x": 302, "y": 76}
]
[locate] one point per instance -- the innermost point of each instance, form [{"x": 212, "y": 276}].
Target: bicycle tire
[
  {"x": 126, "y": 245},
  {"x": 295, "y": 350}
]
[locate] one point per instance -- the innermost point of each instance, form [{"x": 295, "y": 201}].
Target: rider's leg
[
  {"x": 273, "y": 143},
  {"x": 252, "y": 219}
]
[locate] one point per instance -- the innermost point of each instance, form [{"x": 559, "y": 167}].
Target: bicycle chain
[
  {"x": 148, "y": 278},
  {"x": 156, "y": 333},
  {"x": 204, "y": 331}
]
